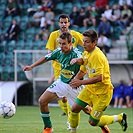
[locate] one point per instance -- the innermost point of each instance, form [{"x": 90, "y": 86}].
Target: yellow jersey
[
  {"x": 96, "y": 63},
  {"x": 53, "y": 44}
]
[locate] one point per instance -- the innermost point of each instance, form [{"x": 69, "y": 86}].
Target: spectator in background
[
  {"x": 74, "y": 16},
  {"x": 104, "y": 27},
  {"x": 13, "y": 31},
  {"x": 49, "y": 15},
  {"x": 43, "y": 23},
  {"x": 103, "y": 43},
  {"x": 126, "y": 15},
  {"x": 90, "y": 17},
  {"x": 47, "y": 4},
  {"x": 100, "y": 5},
  {"x": 44, "y": 30},
  {"x": 129, "y": 94},
  {"x": 119, "y": 94},
  {"x": 116, "y": 14},
  {"x": 81, "y": 16},
  {"x": 12, "y": 8},
  {"x": 122, "y": 2},
  {"x": 36, "y": 19},
  {"x": 108, "y": 12}
]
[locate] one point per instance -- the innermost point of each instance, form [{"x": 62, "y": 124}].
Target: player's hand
[
  {"x": 27, "y": 68},
  {"x": 75, "y": 83},
  {"x": 73, "y": 61}
]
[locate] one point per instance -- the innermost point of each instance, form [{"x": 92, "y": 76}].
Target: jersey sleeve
[
  {"x": 51, "y": 44},
  {"x": 52, "y": 56},
  {"x": 80, "y": 39}
]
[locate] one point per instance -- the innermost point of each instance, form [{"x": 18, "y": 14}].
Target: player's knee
[
  {"x": 64, "y": 99},
  {"x": 41, "y": 101},
  {"x": 75, "y": 109},
  {"x": 92, "y": 123}
]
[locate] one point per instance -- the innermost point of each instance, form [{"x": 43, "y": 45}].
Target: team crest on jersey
[
  {"x": 73, "y": 40},
  {"x": 67, "y": 73},
  {"x": 93, "y": 70}
]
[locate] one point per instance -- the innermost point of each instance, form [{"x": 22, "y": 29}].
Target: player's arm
[
  {"x": 76, "y": 82},
  {"x": 77, "y": 60},
  {"x": 37, "y": 63},
  {"x": 93, "y": 80}
]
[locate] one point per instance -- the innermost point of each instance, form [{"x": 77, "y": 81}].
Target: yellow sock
[
  {"x": 74, "y": 119},
  {"x": 106, "y": 120},
  {"x": 63, "y": 106}
]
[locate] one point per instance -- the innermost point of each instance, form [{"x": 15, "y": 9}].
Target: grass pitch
[{"x": 27, "y": 120}]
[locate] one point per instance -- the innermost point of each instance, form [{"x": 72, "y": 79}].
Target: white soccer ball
[{"x": 7, "y": 109}]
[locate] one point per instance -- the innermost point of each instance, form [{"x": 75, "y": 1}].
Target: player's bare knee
[
  {"x": 75, "y": 109},
  {"x": 92, "y": 123},
  {"x": 41, "y": 101}
]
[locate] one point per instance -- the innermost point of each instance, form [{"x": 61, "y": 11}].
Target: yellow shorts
[{"x": 99, "y": 102}]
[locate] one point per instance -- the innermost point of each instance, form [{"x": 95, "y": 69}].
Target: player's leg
[
  {"x": 83, "y": 100},
  {"x": 48, "y": 96},
  {"x": 63, "y": 104},
  {"x": 87, "y": 110},
  {"x": 115, "y": 102},
  {"x": 74, "y": 118},
  {"x": 98, "y": 119},
  {"x": 120, "y": 103},
  {"x": 121, "y": 118}
]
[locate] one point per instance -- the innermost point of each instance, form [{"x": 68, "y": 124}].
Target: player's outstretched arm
[{"x": 37, "y": 63}]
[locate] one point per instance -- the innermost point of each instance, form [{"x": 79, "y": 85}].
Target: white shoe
[{"x": 68, "y": 125}]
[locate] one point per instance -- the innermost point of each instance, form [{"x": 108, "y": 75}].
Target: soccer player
[
  {"x": 52, "y": 44},
  {"x": 98, "y": 87},
  {"x": 60, "y": 88}
]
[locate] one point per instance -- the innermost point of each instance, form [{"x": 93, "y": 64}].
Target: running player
[
  {"x": 98, "y": 87},
  {"x": 60, "y": 88}
]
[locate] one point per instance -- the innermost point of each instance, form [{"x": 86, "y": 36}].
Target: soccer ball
[{"x": 7, "y": 109}]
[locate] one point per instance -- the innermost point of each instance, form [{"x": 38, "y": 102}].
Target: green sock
[{"x": 46, "y": 119}]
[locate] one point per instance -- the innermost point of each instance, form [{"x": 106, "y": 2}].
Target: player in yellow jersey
[
  {"x": 98, "y": 87},
  {"x": 52, "y": 44}
]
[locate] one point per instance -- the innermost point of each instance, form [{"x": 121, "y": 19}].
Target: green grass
[{"x": 27, "y": 120}]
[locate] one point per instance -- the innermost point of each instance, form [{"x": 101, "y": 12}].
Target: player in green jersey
[
  {"x": 52, "y": 44},
  {"x": 60, "y": 88}
]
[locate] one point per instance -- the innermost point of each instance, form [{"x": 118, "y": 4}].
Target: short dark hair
[
  {"x": 92, "y": 34},
  {"x": 66, "y": 35},
  {"x": 64, "y": 16}
]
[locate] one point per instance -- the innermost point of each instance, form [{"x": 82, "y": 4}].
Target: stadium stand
[{"x": 26, "y": 39}]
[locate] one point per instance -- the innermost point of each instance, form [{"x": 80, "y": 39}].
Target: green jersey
[{"x": 67, "y": 71}]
